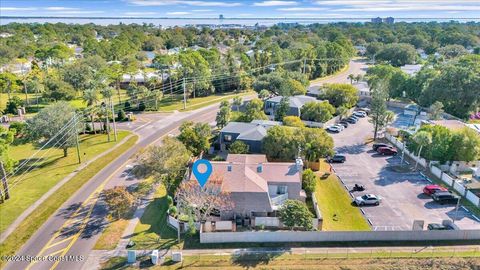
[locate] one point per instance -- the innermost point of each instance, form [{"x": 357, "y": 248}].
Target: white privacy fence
[
  {"x": 331, "y": 236},
  {"x": 447, "y": 179}
]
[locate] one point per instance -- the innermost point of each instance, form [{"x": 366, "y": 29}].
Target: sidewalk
[{"x": 54, "y": 189}]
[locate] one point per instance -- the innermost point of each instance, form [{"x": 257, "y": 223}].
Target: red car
[
  {"x": 430, "y": 189},
  {"x": 387, "y": 151}
]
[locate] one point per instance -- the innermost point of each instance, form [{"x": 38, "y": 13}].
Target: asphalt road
[
  {"x": 356, "y": 66},
  {"x": 74, "y": 228},
  {"x": 401, "y": 192}
]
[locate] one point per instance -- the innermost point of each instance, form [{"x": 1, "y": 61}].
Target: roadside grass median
[
  {"x": 47, "y": 169},
  {"x": 173, "y": 103},
  {"x": 152, "y": 231},
  {"x": 336, "y": 204},
  {"x": 31, "y": 224}
]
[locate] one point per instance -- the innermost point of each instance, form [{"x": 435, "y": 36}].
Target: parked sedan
[
  {"x": 367, "y": 199},
  {"x": 344, "y": 123},
  {"x": 388, "y": 151},
  {"x": 375, "y": 146},
  {"x": 337, "y": 159},
  {"x": 333, "y": 129},
  {"x": 438, "y": 227},
  {"x": 443, "y": 197},
  {"x": 360, "y": 114},
  {"x": 341, "y": 127},
  {"x": 431, "y": 189},
  {"x": 351, "y": 120}
]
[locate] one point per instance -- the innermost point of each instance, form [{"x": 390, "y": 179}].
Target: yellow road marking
[
  {"x": 59, "y": 242},
  {"x": 55, "y": 253},
  {"x": 97, "y": 190}
]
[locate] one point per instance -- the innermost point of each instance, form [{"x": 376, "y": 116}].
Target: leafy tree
[
  {"x": 317, "y": 144},
  {"x": 351, "y": 77},
  {"x": 6, "y": 139},
  {"x": 119, "y": 200},
  {"x": 223, "y": 115},
  {"x": 436, "y": 110},
  {"x": 379, "y": 115},
  {"x": 288, "y": 137},
  {"x": 317, "y": 111},
  {"x": 254, "y": 111},
  {"x": 422, "y": 138},
  {"x": 13, "y": 104},
  {"x": 9, "y": 83},
  {"x": 282, "y": 109},
  {"x": 466, "y": 144},
  {"x": 195, "y": 137},
  {"x": 341, "y": 95},
  {"x": 238, "y": 147},
  {"x": 397, "y": 54},
  {"x": 452, "y": 51},
  {"x": 52, "y": 119},
  {"x": 237, "y": 102},
  {"x": 57, "y": 89},
  {"x": 295, "y": 213},
  {"x": 167, "y": 161},
  {"x": 263, "y": 94},
  {"x": 202, "y": 201},
  {"x": 293, "y": 121},
  {"x": 309, "y": 181}
]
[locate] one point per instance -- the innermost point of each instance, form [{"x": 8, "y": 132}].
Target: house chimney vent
[{"x": 259, "y": 168}]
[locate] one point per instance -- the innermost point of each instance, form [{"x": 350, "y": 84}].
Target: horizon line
[{"x": 236, "y": 18}]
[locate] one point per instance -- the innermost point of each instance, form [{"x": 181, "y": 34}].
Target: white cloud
[
  {"x": 275, "y": 3},
  {"x": 17, "y": 8},
  {"x": 60, "y": 8},
  {"x": 76, "y": 12},
  {"x": 139, "y": 13},
  {"x": 302, "y": 9},
  {"x": 178, "y": 13},
  {"x": 178, "y": 2},
  {"x": 202, "y": 10}
]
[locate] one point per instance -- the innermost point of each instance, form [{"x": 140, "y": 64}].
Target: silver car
[{"x": 368, "y": 199}]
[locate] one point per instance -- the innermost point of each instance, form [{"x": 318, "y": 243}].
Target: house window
[
  {"x": 227, "y": 138},
  {"x": 281, "y": 189}
]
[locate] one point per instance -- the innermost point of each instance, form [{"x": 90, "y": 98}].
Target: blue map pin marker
[{"x": 202, "y": 177}]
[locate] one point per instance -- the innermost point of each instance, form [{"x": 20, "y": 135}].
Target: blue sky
[{"x": 239, "y": 9}]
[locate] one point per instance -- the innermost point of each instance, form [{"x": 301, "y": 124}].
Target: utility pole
[
  {"x": 304, "y": 65},
  {"x": 104, "y": 106},
  {"x": 184, "y": 95},
  {"x": 76, "y": 139},
  {"x": 5, "y": 196},
  {"x": 113, "y": 119},
  {"x": 456, "y": 210}
]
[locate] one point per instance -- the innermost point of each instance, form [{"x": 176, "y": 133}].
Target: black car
[
  {"x": 375, "y": 146},
  {"x": 337, "y": 159},
  {"x": 438, "y": 227},
  {"x": 351, "y": 120},
  {"x": 344, "y": 123},
  {"x": 443, "y": 197}
]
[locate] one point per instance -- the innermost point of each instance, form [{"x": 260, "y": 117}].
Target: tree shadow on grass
[{"x": 248, "y": 259}]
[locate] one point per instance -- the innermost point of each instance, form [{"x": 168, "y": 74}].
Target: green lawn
[
  {"x": 380, "y": 260},
  {"x": 152, "y": 232},
  {"x": 333, "y": 199},
  {"x": 51, "y": 167},
  {"x": 176, "y": 103},
  {"x": 28, "y": 227}
]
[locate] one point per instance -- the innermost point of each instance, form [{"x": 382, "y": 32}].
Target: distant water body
[{"x": 168, "y": 22}]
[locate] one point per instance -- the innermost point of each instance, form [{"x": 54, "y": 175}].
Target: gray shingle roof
[
  {"x": 295, "y": 101},
  {"x": 254, "y": 131}
]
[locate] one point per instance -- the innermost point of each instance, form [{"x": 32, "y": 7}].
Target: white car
[
  {"x": 339, "y": 126},
  {"x": 368, "y": 199},
  {"x": 333, "y": 129},
  {"x": 360, "y": 114}
]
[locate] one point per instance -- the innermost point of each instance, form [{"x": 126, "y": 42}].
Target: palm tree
[
  {"x": 358, "y": 78},
  {"x": 237, "y": 102},
  {"x": 157, "y": 96},
  {"x": 351, "y": 77},
  {"x": 90, "y": 97},
  {"x": 422, "y": 138},
  {"x": 342, "y": 112}
]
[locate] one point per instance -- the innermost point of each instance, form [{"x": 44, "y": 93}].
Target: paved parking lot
[{"x": 401, "y": 193}]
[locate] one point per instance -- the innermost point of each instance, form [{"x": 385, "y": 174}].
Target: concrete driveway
[{"x": 401, "y": 192}]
